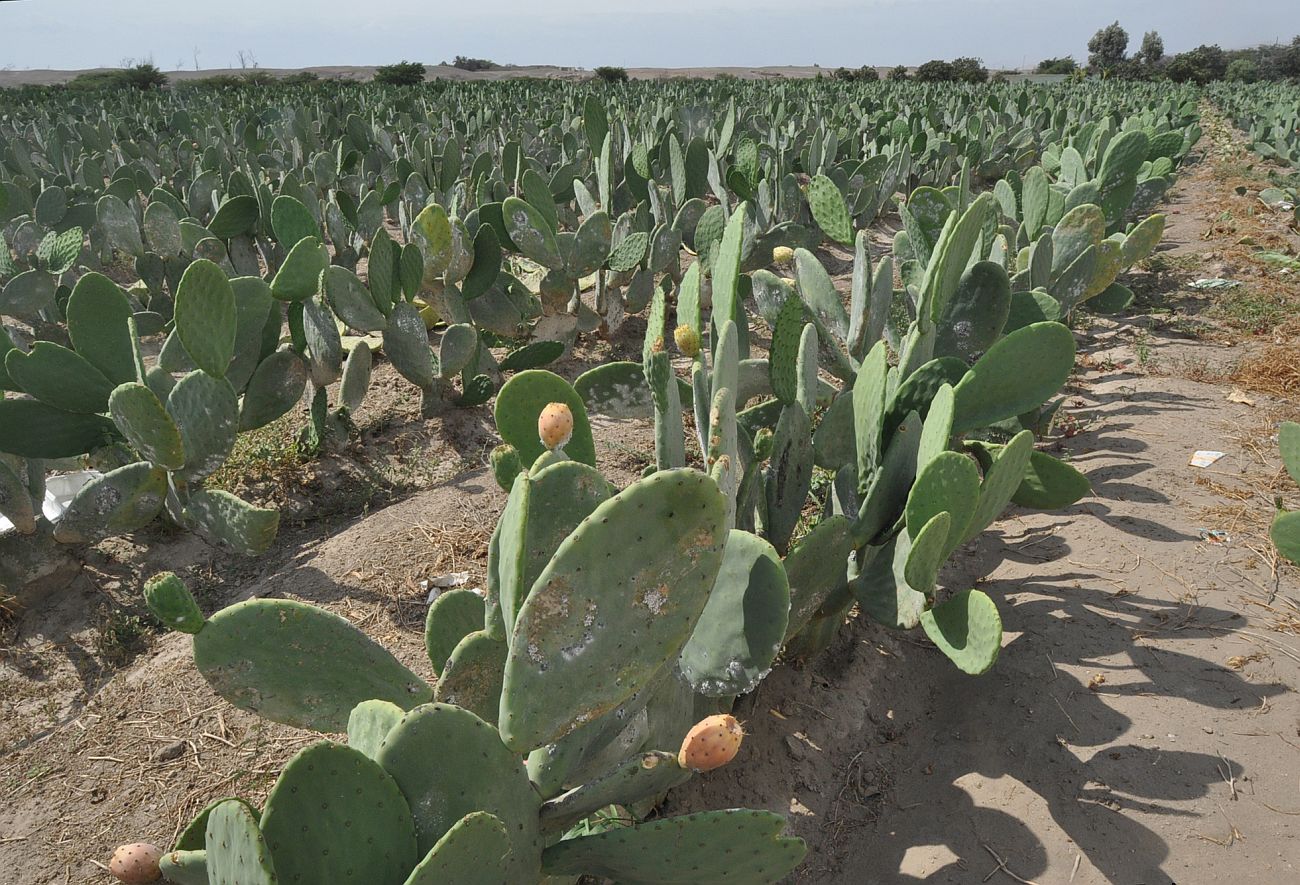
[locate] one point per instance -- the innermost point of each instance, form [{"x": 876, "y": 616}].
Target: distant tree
[
  {"x": 864, "y": 74},
  {"x": 1153, "y": 49},
  {"x": 970, "y": 70},
  {"x": 144, "y": 76},
  {"x": 1201, "y": 65},
  {"x": 611, "y": 74},
  {"x": 404, "y": 73},
  {"x": 1242, "y": 70},
  {"x": 1108, "y": 47},
  {"x": 900, "y": 73},
  {"x": 1288, "y": 62},
  {"x": 474, "y": 64},
  {"x": 936, "y": 71},
  {"x": 1064, "y": 65}
]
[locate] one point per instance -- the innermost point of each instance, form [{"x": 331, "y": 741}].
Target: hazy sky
[{"x": 632, "y": 33}]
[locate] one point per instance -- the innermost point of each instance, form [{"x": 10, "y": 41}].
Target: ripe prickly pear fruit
[
  {"x": 136, "y": 864},
  {"x": 688, "y": 341},
  {"x": 555, "y": 426},
  {"x": 711, "y": 743},
  {"x": 782, "y": 256}
]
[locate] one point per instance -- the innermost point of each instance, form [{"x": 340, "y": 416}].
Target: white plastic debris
[
  {"x": 59, "y": 492},
  {"x": 439, "y": 583},
  {"x": 1205, "y": 458},
  {"x": 1213, "y": 283}
]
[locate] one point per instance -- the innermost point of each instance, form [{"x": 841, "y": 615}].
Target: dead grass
[{"x": 1274, "y": 370}]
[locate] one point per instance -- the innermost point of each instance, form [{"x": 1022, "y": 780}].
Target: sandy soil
[{"x": 1141, "y": 726}]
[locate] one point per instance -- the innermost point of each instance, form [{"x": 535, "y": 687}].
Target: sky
[{"x": 75, "y": 34}]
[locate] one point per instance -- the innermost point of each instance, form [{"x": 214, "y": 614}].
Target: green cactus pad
[
  {"x": 608, "y": 622},
  {"x": 334, "y": 815},
  {"x": 452, "y": 616},
  {"x": 1288, "y": 438},
  {"x": 185, "y": 867},
  {"x": 629, "y": 253},
  {"x": 297, "y": 664},
  {"x": 32, "y": 429},
  {"x": 459, "y": 345},
  {"x": 505, "y": 465},
  {"x": 356, "y": 377},
  {"x": 350, "y": 299},
  {"x": 819, "y": 293},
  {"x": 735, "y": 846},
  {"x": 949, "y": 483},
  {"x": 928, "y": 552},
  {"x": 975, "y": 315},
  {"x": 726, "y": 266},
  {"x": 172, "y": 603},
  {"x": 616, "y": 390},
  {"x": 869, "y": 410},
  {"x": 789, "y": 475},
  {"x": 544, "y": 508},
  {"x": 119, "y": 224},
  {"x": 406, "y": 344},
  {"x": 117, "y": 502},
  {"x": 299, "y": 276},
  {"x": 472, "y": 676},
  {"x": 532, "y": 356},
  {"x": 236, "y": 851},
  {"x": 530, "y": 232},
  {"x": 143, "y": 420},
  {"x": 997, "y": 387},
  {"x": 224, "y": 519},
  {"x": 643, "y": 776},
  {"x": 1285, "y": 534},
  {"x": 369, "y": 723},
  {"x": 449, "y": 763},
  {"x": 1050, "y": 484},
  {"x": 816, "y": 568},
  {"x": 1142, "y": 240},
  {"x": 206, "y": 318},
  {"x": 292, "y": 222},
  {"x": 520, "y": 402},
  {"x": 97, "y": 325},
  {"x": 59, "y": 377},
  {"x": 591, "y": 245},
  {"x": 276, "y": 387},
  {"x": 194, "y": 836},
  {"x": 744, "y": 623},
  {"x": 784, "y": 354},
  {"x": 829, "y": 210},
  {"x": 1002, "y": 478},
  {"x": 476, "y": 851},
  {"x": 968, "y": 629},
  {"x": 882, "y": 590},
  {"x": 206, "y": 412}
]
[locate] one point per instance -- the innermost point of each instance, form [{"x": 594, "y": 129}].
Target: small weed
[
  {"x": 270, "y": 453},
  {"x": 120, "y": 637},
  {"x": 1250, "y": 310},
  {"x": 1143, "y": 345}
]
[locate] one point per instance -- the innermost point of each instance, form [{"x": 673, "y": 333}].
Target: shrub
[
  {"x": 1201, "y": 65},
  {"x": 611, "y": 74},
  {"x": 865, "y": 74},
  {"x": 144, "y": 76},
  {"x": 404, "y": 73},
  {"x": 301, "y": 78},
  {"x": 1242, "y": 70},
  {"x": 936, "y": 71},
  {"x": 465, "y": 63},
  {"x": 1064, "y": 65},
  {"x": 900, "y": 73},
  {"x": 970, "y": 70}
]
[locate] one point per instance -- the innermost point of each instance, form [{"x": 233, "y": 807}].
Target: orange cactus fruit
[
  {"x": 136, "y": 864},
  {"x": 711, "y": 743},
  {"x": 555, "y": 426}
]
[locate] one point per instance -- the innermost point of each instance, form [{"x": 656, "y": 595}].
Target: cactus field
[{"x": 672, "y": 481}]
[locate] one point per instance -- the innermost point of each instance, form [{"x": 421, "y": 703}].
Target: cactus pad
[
  {"x": 643, "y": 776},
  {"x": 452, "y": 616},
  {"x": 206, "y": 317},
  {"x": 297, "y": 664},
  {"x": 997, "y": 387},
  {"x": 449, "y": 763},
  {"x": 144, "y": 422},
  {"x": 236, "y": 851},
  {"x": 522, "y": 399},
  {"x": 117, "y": 502},
  {"x": 471, "y": 678},
  {"x": 369, "y": 723},
  {"x": 968, "y": 629},
  {"x": 605, "y": 621},
  {"x": 735, "y": 846},
  {"x": 476, "y": 851},
  {"x": 334, "y": 815},
  {"x": 743, "y": 625}
]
